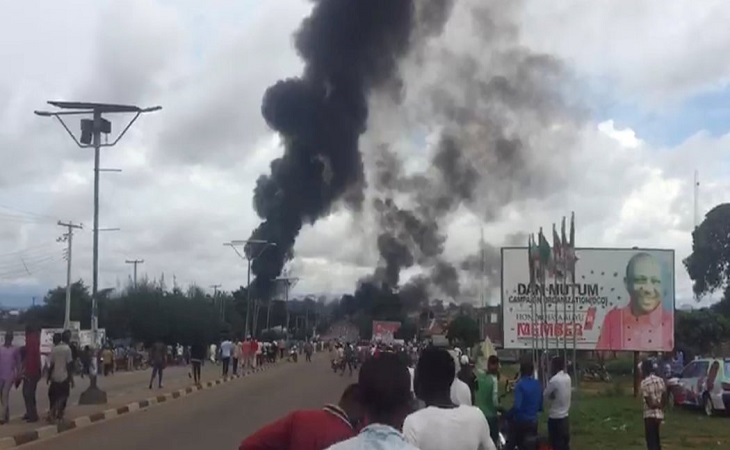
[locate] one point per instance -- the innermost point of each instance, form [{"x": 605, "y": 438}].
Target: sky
[{"x": 651, "y": 80}]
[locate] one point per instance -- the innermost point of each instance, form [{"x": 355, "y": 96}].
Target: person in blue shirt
[{"x": 523, "y": 415}]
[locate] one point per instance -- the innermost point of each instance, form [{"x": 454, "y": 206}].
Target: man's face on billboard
[{"x": 645, "y": 284}]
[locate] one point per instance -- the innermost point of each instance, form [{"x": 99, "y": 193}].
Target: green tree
[
  {"x": 701, "y": 330},
  {"x": 407, "y": 330},
  {"x": 709, "y": 264},
  {"x": 465, "y": 330}
]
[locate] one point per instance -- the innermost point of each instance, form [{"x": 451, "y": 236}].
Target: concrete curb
[{"x": 48, "y": 431}]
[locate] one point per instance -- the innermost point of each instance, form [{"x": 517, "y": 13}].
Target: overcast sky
[{"x": 652, "y": 74}]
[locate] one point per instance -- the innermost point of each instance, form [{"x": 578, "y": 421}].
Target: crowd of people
[
  {"x": 25, "y": 366},
  {"x": 428, "y": 398}
]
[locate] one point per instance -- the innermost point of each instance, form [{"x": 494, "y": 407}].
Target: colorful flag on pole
[
  {"x": 571, "y": 256},
  {"x": 531, "y": 259},
  {"x": 558, "y": 257},
  {"x": 564, "y": 240},
  {"x": 545, "y": 256}
]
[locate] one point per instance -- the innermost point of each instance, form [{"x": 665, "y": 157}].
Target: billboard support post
[{"x": 637, "y": 374}]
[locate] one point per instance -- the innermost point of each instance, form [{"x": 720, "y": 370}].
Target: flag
[
  {"x": 571, "y": 257},
  {"x": 545, "y": 256},
  {"x": 530, "y": 259},
  {"x": 558, "y": 257}
]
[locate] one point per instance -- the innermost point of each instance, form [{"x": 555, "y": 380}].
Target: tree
[
  {"x": 701, "y": 330},
  {"x": 709, "y": 264},
  {"x": 464, "y": 329},
  {"x": 407, "y": 331}
]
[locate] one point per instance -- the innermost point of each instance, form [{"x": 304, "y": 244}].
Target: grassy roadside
[{"x": 606, "y": 416}]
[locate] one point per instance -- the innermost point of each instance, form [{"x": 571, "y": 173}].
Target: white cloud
[
  {"x": 650, "y": 50},
  {"x": 189, "y": 170}
]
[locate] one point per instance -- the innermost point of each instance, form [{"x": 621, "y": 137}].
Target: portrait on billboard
[{"x": 644, "y": 321}]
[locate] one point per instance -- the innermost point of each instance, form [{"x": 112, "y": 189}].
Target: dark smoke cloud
[
  {"x": 504, "y": 126},
  {"x": 350, "y": 48}
]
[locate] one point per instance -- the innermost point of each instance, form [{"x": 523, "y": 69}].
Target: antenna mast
[{"x": 697, "y": 198}]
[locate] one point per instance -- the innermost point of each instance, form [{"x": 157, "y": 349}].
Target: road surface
[
  {"x": 215, "y": 419},
  {"x": 117, "y": 384}
]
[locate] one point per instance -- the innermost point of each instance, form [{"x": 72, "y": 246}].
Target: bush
[{"x": 621, "y": 366}]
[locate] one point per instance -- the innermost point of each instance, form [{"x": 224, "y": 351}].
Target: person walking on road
[
  {"x": 158, "y": 359},
  {"x": 558, "y": 395},
  {"x": 9, "y": 373},
  {"x": 385, "y": 396},
  {"x": 60, "y": 376},
  {"x": 487, "y": 395},
  {"x": 654, "y": 396},
  {"x": 237, "y": 355},
  {"x": 197, "y": 356},
  {"x": 310, "y": 429},
  {"x": 443, "y": 424},
  {"x": 226, "y": 352},
  {"x": 349, "y": 361},
  {"x": 31, "y": 372},
  {"x": 308, "y": 350}
]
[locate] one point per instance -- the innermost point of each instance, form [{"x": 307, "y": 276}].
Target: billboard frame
[{"x": 578, "y": 249}]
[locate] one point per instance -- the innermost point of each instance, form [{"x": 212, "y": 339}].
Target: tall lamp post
[
  {"x": 91, "y": 131},
  {"x": 289, "y": 282},
  {"x": 249, "y": 257}
]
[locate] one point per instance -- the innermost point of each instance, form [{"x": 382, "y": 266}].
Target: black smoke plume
[
  {"x": 505, "y": 126},
  {"x": 350, "y": 48}
]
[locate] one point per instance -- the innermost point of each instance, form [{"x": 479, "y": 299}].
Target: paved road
[
  {"x": 119, "y": 383},
  {"x": 215, "y": 419}
]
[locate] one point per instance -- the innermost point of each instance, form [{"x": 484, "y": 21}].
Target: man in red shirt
[
  {"x": 247, "y": 353},
  {"x": 310, "y": 429},
  {"x": 31, "y": 371}
]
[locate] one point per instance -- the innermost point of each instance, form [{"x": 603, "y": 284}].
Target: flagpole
[
  {"x": 564, "y": 291},
  {"x": 557, "y": 258},
  {"x": 573, "y": 260},
  {"x": 544, "y": 342},
  {"x": 533, "y": 273}
]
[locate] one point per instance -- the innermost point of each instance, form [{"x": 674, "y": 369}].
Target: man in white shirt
[
  {"x": 558, "y": 395},
  {"x": 460, "y": 393},
  {"x": 443, "y": 424},
  {"x": 226, "y": 351}
]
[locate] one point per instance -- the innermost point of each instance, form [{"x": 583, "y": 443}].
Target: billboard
[
  {"x": 623, "y": 300},
  {"x": 384, "y": 331}
]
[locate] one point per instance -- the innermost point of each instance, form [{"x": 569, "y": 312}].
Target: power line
[
  {"x": 28, "y": 213},
  {"x": 30, "y": 269},
  {"x": 24, "y": 219}
]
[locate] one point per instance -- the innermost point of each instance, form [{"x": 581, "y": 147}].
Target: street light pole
[
  {"x": 288, "y": 283},
  {"x": 91, "y": 131},
  {"x": 249, "y": 258}
]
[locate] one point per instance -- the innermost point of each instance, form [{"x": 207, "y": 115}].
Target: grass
[{"x": 606, "y": 416}]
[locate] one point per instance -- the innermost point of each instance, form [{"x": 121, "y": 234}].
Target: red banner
[{"x": 383, "y": 331}]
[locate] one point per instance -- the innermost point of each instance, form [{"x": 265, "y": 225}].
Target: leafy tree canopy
[
  {"x": 463, "y": 329},
  {"x": 709, "y": 264}
]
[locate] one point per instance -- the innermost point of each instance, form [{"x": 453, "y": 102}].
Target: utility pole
[
  {"x": 91, "y": 131},
  {"x": 68, "y": 238},
  {"x": 221, "y": 309},
  {"x": 249, "y": 257},
  {"x": 288, "y": 283},
  {"x": 135, "y": 262}
]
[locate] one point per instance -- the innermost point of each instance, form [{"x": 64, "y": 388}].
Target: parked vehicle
[{"x": 704, "y": 383}]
